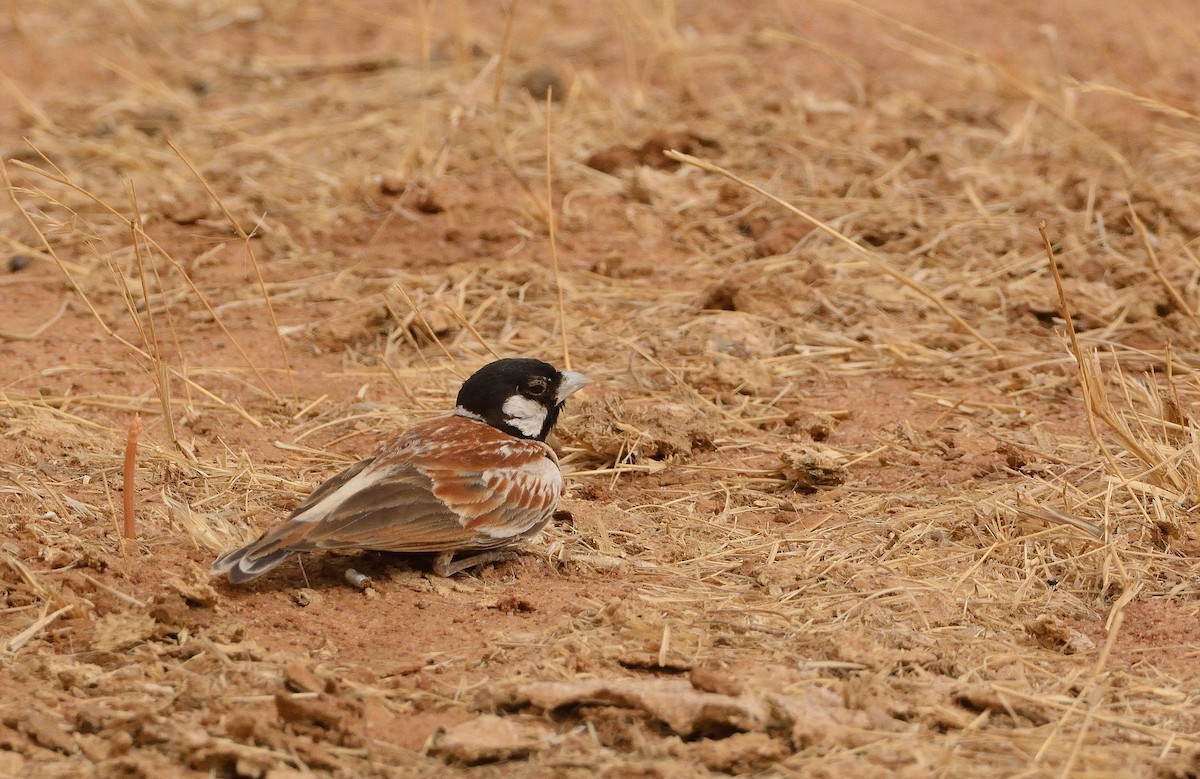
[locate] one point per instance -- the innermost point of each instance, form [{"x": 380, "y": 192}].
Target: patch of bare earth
[{"x": 844, "y": 499}]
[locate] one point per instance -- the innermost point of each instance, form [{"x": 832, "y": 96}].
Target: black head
[{"x": 520, "y": 396}]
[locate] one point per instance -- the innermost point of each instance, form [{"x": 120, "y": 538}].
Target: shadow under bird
[{"x": 474, "y": 481}]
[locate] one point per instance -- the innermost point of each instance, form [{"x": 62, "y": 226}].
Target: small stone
[
  {"x": 673, "y": 662},
  {"x": 1053, "y": 633},
  {"x": 392, "y": 185},
  {"x": 542, "y": 81},
  {"x": 740, "y": 753},
  {"x": 708, "y": 679},
  {"x": 194, "y": 590},
  {"x": 306, "y": 597},
  {"x": 326, "y": 651},
  {"x": 47, "y": 732},
  {"x": 322, "y": 713},
  {"x": 18, "y": 263},
  {"x": 187, "y": 212},
  {"x": 299, "y": 678},
  {"x": 612, "y": 159}
]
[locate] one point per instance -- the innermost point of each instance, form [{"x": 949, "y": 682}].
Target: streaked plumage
[{"x": 477, "y": 480}]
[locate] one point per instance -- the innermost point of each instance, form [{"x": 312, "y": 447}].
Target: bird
[{"x": 475, "y": 481}]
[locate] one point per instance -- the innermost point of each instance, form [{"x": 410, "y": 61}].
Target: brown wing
[
  {"x": 331, "y": 485},
  {"x": 463, "y": 485},
  {"x": 447, "y": 485}
]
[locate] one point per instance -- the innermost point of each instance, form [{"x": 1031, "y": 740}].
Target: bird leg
[{"x": 443, "y": 567}]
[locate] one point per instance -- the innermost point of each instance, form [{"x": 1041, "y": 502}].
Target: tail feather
[
  {"x": 252, "y": 560},
  {"x": 285, "y": 540}
]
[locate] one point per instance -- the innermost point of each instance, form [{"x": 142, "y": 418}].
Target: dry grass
[{"x": 844, "y": 464}]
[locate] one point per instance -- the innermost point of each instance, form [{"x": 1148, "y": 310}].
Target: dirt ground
[{"x": 849, "y": 496}]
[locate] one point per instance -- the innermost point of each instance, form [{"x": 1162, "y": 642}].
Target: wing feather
[{"x": 451, "y": 484}]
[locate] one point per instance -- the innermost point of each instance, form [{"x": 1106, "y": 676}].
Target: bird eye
[{"x": 534, "y": 388}]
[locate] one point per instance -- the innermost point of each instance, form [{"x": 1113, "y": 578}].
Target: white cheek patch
[
  {"x": 462, "y": 412},
  {"x": 525, "y": 415}
]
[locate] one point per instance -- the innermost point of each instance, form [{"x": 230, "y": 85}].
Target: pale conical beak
[{"x": 571, "y": 383}]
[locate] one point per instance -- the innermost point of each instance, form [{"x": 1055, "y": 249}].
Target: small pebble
[
  {"x": 306, "y": 597},
  {"x": 391, "y": 184},
  {"x": 540, "y": 81},
  {"x": 18, "y": 263}
]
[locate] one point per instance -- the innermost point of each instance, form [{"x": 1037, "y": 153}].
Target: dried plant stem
[
  {"x": 466, "y": 323},
  {"x": 510, "y": 16},
  {"x": 262, "y": 284},
  {"x": 1090, "y": 393},
  {"x": 37, "y": 331},
  {"x": 1034, "y": 510},
  {"x": 558, "y": 286},
  {"x": 424, "y": 322},
  {"x": 70, "y": 277},
  {"x": 161, "y": 372},
  {"x": 1092, "y": 693},
  {"x": 61, "y": 178},
  {"x": 31, "y": 109},
  {"x": 1007, "y": 74},
  {"x": 1145, "y": 101},
  {"x": 880, "y": 263},
  {"x": 499, "y": 134},
  {"x": 1156, "y": 266},
  {"x": 26, "y": 635},
  {"x": 187, "y": 388},
  {"x": 131, "y": 444}
]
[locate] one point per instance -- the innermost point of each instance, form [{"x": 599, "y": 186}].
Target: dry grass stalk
[
  {"x": 550, "y": 226},
  {"x": 160, "y": 372},
  {"x": 510, "y": 18},
  {"x": 880, "y": 263},
  {"x": 25, "y": 636},
  {"x": 71, "y": 279},
  {"x": 37, "y": 331},
  {"x": 976, "y": 500},
  {"x": 1093, "y": 395},
  {"x": 262, "y": 284},
  {"x": 1030, "y": 88},
  {"x": 129, "y": 471},
  {"x": 28, "y": 106},
  {"x": 1145, "y": 101},
  {"x": 1156, "y": 266}
]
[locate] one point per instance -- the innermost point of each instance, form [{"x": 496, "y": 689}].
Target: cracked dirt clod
[
  {"x": 300, "y": 678},
  {"x": 488, "y": 739},
  {"x": 685, "y": 710},
  {"x": 316, "y": 711},
  {"x": 820, "y": 716},
  {"x": 44, "y": 730},
  {"x": 115, "y": 632},
  {"x": 1052, "y": 633},
  {"x": 741, "y": 753}
]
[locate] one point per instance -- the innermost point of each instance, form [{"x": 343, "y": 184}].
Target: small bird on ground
[{"x": 476, "y": 480}]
